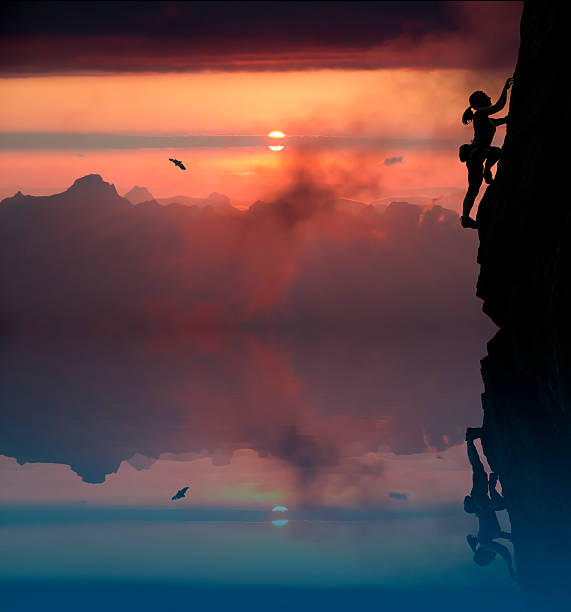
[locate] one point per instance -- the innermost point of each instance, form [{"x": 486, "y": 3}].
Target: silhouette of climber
[
  {"x": 481, "y": 150},
  {"x": 485, "y": 506}
]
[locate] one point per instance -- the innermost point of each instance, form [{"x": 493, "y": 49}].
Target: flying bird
[
  {"x": 178, "y": 163},
  {"x": 180, "y": 494}
]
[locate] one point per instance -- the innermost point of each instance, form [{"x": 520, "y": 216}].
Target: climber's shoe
[
  {"x": 472, "y": 433},
  {"x": 468, "y": 222}
]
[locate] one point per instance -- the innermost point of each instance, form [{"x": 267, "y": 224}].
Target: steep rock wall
[{"x": 524, "y": 225}]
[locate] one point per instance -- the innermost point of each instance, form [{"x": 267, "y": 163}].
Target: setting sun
[{"x": 278, "y": 135}]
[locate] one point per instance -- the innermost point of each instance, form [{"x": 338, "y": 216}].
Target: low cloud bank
[{"x": 88, "y": 257}]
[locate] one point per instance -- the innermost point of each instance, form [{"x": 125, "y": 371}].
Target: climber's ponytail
[{"x": 467, "y": 116}]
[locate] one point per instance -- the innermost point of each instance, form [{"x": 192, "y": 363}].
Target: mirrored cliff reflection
[{"x": 525, "y": 439}]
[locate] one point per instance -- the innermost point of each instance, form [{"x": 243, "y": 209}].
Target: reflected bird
[
  {"x": 178, "y": 163},
  {"x": 180, "y": 494}
]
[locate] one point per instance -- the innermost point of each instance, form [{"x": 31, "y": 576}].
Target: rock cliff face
[
  {"x": 525, "y": 217},
  {"x": 524, "y": 224}
]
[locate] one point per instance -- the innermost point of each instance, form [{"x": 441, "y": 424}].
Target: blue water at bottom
[{"x": 92, "y": 596}]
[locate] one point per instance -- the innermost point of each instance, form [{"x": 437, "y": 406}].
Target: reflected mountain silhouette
[{"x": 309, "y": 400}]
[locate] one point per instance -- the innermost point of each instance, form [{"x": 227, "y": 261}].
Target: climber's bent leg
[
  {"x": 493, "y": 154},
  {"x": 475, "y": 176}
]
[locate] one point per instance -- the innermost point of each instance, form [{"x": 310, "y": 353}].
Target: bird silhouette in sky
[
  {"x": 180, "y": 494},
  {"x": 178, "y": 163}
]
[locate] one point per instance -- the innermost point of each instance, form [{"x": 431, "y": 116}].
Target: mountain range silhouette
[{"x": 88, "y": 257}]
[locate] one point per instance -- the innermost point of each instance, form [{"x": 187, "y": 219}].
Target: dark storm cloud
[
  {"x": 66, "y": 37},
  {"x": 347, "y": 22},
  {"x": 397, "y": 495}
]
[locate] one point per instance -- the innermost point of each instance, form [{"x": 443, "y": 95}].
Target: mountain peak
[
  {"x": 92, "y": 182},
  {"x": 137, "y": 194}
]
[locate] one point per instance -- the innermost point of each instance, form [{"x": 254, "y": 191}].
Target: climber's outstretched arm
[{"x": 499, "y": 105}]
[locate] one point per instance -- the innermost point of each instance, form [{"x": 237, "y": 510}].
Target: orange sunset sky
[{"x": 376, "y": 128}]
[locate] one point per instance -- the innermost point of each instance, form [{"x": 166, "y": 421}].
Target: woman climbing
[{"x": 481, "y": 150}]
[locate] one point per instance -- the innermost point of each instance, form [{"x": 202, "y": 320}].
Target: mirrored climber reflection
[{"x": 484, "y": 501}]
